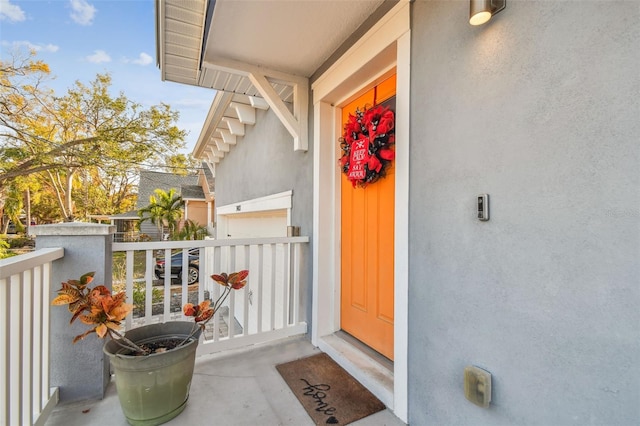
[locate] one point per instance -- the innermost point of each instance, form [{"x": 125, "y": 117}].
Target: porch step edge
[{"x": 369, "y": 372}]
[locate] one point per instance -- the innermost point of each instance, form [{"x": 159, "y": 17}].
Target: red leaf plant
[
  {"x": 104, "y": 312},
  {"x": 203, "y": 312}
]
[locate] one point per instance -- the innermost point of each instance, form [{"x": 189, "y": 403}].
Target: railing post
[{"x": 81, "y": 371}]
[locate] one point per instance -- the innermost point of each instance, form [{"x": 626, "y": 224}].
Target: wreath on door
[{"x": 368, "y": 145}]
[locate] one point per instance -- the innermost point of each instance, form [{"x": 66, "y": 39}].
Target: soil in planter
[
  {"x": 157, "y": 347},
  {"x": 161, "y": 345}
]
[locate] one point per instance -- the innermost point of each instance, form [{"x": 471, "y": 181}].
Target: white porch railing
[
  {"x": 268, "y": 308},
  {"x": 25, "y": 288}
]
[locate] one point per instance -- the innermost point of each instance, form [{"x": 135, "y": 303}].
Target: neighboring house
[
  {"x": 126, "y": 225},
  {"x": 196, "y": 191},
  {"x": 537, "y": 108}
]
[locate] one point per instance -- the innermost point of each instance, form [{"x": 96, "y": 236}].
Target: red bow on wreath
[{"x": 367, "y": 145}]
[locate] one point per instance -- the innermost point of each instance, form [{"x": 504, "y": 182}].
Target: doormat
[{"x": 328, "y": 393}]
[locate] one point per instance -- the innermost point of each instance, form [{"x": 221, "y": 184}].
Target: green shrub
[
  {"x": 140, "y": 295},
  {"x": 4, "y": 245},
  {"x": 19, "y": 242}
]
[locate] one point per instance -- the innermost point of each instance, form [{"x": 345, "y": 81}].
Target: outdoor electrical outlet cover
[{"x": 477, "y": 386}]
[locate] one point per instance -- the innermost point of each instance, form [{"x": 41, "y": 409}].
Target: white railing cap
[{"x": 18, "y": 264}]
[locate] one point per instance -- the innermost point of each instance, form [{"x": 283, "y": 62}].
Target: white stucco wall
[{"x": 540, "y": 109}]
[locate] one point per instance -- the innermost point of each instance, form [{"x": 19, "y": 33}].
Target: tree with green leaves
[
  {"x": 12, "y": 208},
  {"x": 86, "y": 139},
  {"x": 164, "y": 209},
  {"x": 181, "y": 164},
  {"x": 4, "y": 249}
]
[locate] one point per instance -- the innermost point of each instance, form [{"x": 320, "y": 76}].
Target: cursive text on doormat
[
  {"x": 327, "y": 392},
  {"x": 319, "y": 393}
]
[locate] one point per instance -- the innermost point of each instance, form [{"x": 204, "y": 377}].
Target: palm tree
[
  {"x": 164, "y": 209},
  {"x": 192, "y": 231}
]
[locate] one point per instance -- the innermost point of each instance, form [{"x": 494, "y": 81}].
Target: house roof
[
  {"x": 208, "y": 175},
  {"x": 150, "y": 181},
  {"x": 192, "y": 192},
  {"x": 206, "y": 179}
]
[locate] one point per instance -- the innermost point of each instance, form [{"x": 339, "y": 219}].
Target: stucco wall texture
[
  {"x": 81, "y": 371},
  {"x": 263, "y": 162},
  {"x": 538, "y": 108},
  {"x": 264, "y": 156},
  {"x": 197, "y": 211}
]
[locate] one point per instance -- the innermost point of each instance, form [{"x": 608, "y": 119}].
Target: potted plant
[{"x": 154, "y": 363}]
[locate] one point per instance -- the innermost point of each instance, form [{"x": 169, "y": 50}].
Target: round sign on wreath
[{"x": 367, "y": 145}]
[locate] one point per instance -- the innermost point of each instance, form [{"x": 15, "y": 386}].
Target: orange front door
[{"x": 367, "y": 250}]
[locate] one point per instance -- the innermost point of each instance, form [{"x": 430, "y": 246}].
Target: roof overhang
[
  {"x": 255, "y": 49},
  {"x": 226, "y": 120}
]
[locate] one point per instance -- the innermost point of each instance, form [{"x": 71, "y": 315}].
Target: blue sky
[{"x": 81, "y": 38}]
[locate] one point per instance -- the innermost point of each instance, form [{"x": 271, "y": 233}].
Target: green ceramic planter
[{"x": 154, "y": 389}]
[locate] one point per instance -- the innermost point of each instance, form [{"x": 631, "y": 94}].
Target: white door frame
[{"x": 384, "y": 48}]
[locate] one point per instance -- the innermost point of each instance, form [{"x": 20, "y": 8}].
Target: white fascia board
[
  {"x": 244, "y": 69},
  {"x": 279, "y": 201}
]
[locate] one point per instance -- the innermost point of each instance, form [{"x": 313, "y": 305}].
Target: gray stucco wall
[
  {"x": 263, "y": 163},
  {"x": 80, "y": 370},
  {"x": 540, "y": 109}
]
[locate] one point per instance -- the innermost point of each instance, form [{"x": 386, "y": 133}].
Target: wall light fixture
[{"x": 482, "y": 10}]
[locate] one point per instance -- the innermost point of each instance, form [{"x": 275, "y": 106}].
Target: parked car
[
  {"x": 11, "y": 228},
  {"x": 176, "y": 266}
]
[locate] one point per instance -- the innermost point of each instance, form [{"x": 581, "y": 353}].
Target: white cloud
[
  {"x": 143, "y": 59},
  {"x": 50, "y": 48},
  {"x": 98, "y": 57},
  {"x": 82, "y": 12},
  {"x": 11, "y": 11},
  {"x": 32, "y": 46}
]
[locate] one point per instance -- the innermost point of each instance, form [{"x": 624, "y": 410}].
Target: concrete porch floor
[{"x": 239, "y": 387}]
